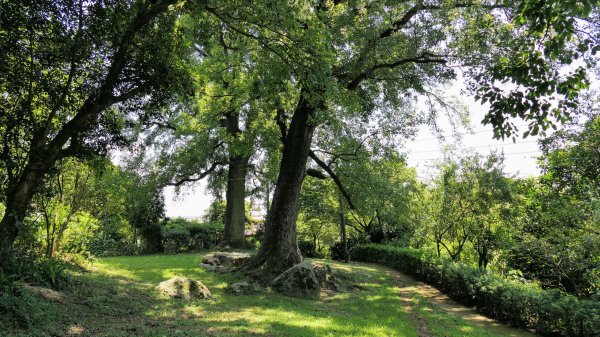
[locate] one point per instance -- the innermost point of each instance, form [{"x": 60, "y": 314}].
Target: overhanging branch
[
  {"x": 200, "y": 176},
  {"x": 334, "y": 177},
  {"x": 424, "y": 58},
  {"x": 315, "y": 173}
]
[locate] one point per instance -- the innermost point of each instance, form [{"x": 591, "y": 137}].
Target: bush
[
  {"x": 180, "y": 235},
  {"x": 42, "y": 271},
  {"x": 18, "y": 309},
  {"x": 337, "y": 249},
  {"x": 102, "y": 247},
  {"x": 548, "y": 312},
  {"x": 307, "y": 248}
]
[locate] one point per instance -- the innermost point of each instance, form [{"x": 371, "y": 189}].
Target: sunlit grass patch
[{"x": 117, "y": 298}]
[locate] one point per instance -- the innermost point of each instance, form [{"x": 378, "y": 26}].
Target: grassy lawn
[{"x": 117, "y": 298}]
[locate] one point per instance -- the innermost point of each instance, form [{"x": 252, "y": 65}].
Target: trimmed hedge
[{"x": 547, "y": 312}]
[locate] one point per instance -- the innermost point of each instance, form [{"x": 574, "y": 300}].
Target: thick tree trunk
[
  {"x": 235, "y": 210},
  {"x": 267, "y": 197},
  {"x": 235, "y": 196},
  {"x": 279, "y": 250},
  {"x": 18, "y": 199}
]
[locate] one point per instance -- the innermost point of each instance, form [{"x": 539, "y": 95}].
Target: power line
[
  {"x": 477, "y": 147},
  {"x": 505, "y": 154},
  {"x": 468, "y": 134}
]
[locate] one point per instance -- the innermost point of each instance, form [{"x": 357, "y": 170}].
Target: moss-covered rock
[
  {"x": 306, "y": 279},
  {"x": 183, "y": 287}
]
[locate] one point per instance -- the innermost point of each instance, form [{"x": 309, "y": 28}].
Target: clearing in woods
[{"x": 117, "y": 298}]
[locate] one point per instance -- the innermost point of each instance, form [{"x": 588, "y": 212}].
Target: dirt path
[{"x": 409, "y": 286}]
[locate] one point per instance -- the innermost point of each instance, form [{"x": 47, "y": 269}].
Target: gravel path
[{"x": 429, "y": 294}]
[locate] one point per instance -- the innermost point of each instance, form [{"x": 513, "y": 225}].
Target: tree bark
[
  {"x": 235, "y": 196},
  {"x": 18, "y": 198},
  {"x": 343, "y": 231},
  {"x": 279, "y": 250},
  {"x": 235, "y": 209}
]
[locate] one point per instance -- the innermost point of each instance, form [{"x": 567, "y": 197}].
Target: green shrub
[
  {"x": 180, "y": 235},
  {"x": 307, "y": 248},
  {"x": 42, "y": 271},
  {"x": 102, "y": 247},
  {"x": 336, "y": 250},
  {"x": 18, "y": 309},
  {"x": 522, "y": 304}
]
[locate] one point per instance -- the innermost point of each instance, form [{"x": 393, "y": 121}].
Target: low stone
[
  {"x": 183, "y": 287},
  {"x": 209, "y": 267},
  {"x": 45, "y": 293},
  {"x": 225, "y": 259},
  {"x": 306, "y": 279},
  {"x": 240, "y": 288},
  {"x": 225, "y": 248}
]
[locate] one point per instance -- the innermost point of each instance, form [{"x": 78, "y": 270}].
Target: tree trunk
[
  {"x": 18, "y": 199},
  {"x": 343, "y": 231},
  {"x": 59, "y": 236},
  {"x": 279, "y": 250},
  {"x": 235, "y": 196},
  {"x": 267, "y": 197},
  {"x": 235, "y": 209}
]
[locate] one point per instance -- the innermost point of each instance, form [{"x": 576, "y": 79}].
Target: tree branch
[
  {"x": 425, "y": 57},
  {"x": 333, "y": 176},
  {"x": 361, "y": 59},
  {"x": 129, "y": 94},
  {"x": 280, "y": 120},
  {"x": 315, "y": 173},
  {"x": 96, "y": 103},
  {"x": 201, "y": 176}
]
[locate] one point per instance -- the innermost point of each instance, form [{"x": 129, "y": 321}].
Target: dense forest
[{"x": 297, "y": 115}]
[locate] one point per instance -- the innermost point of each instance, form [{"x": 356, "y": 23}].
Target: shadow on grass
[{"x": 118, "y": 299}]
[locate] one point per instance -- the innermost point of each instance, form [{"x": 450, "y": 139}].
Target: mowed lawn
[{"x": 117, "y": 298}]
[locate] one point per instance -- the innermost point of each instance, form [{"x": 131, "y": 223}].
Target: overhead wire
[
  {"x": 505, "y": 154},
  {"x": 468, "y": 134},
  {"x": 478, "y": 147}
]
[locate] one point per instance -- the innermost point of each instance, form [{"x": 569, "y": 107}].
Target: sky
[
  {"x": 422, "y": 153},
  {"x": 520, "y": 155}
]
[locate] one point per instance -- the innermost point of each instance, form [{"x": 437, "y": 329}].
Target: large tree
[
  {"x": 225, "y": 133},
  {"x": 357, "y": 57},
  {"x": 71, "y": 72}
]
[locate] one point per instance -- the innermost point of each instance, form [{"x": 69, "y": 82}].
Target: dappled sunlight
[
  {"x": 375, "y": 298},
  {"x": 75, "y": 330},
  {"x": 342, "y": 296},
  {"x": 373, "y": 305}
]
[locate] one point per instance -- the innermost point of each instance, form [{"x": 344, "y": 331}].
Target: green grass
[{"x": 117, "y": 298}]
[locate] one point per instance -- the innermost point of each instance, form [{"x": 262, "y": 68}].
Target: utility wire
[
  {"x": 505, "y": 154},
  {"x": 481, "y": 146},
  {"x": 468, "y": 134}
]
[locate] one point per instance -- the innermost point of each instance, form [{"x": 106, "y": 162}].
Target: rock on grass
[
  {"x": 225, "y": 259},
  {"x": 306, "y": 279},
  {"x": 241, "y": 288},
  {"x": 183, "y": 287},
  {"x": 45, "y": 293}
]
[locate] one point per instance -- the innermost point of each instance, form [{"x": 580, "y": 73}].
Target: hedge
[{"x": 524, "y": 305}]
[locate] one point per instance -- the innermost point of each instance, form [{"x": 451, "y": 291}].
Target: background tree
[
  {"x": 559, "y": 241},
  {"x": 70, "y": 71},
  {"x": 63, "y": 198}
]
